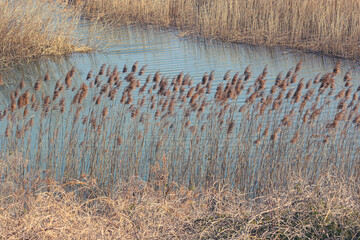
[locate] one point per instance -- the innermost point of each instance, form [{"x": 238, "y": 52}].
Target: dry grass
[
  {"x": 327, "y": 26},
  {"x": 326, "y": 209},
  {"x": 33, "y": 28}
]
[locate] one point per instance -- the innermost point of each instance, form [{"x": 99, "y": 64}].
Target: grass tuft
[{"x": 30, "y": 29}]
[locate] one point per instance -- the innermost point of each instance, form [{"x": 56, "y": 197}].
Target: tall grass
[
  {"x": 153, "y": 156},
  {"x": 33, "y": 28},
  {"x": 246, "y": 132},
  {"x": 327, "y": 26},
  {"x": 327, "y": 209}
]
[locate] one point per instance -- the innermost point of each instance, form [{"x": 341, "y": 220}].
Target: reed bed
[
  {"x": 327, "y": 26},
  {"x": 155, "y": 156},
  {"x": 243, "y": 131},
  {"x": 327, "y": 209},
  {"x": 33, "y": 28}
]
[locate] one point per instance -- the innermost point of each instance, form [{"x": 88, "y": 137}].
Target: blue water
[{"x": 163, "y": 50}]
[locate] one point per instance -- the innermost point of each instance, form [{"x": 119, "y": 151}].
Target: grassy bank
[
  {"x": 326, "y": 209},
  {"x": 327, "y": 26},
  {"x": 33, "y": 28}
]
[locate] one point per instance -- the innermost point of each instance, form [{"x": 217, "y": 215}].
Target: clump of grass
[
  {"x": 330, "y": 27},
  {"x": 33, "y": 28}
]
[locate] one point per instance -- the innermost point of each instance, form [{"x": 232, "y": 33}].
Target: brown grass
[
  {"x": 326, "y": 209},
  {"x": 33, "y": 28},
  {"x": 327, "y": 26}
]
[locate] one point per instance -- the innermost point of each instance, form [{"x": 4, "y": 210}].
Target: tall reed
[
  {"x": 327, "y": 26},
  {"x": 246, "y": 131}
]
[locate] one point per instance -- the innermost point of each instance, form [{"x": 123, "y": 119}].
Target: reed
[
  {"x": 327, "y": 26},
  {"x": 239, "y": 157},
  {"x": 327, "y": 209},
  {"x": 30, "y": 29},
  {"x": 251, "y": 133}
]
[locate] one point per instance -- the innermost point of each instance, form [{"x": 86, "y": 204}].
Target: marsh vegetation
[
  {"x": 330, "y": 27},
  {"x": 185, "y": 151},
  {"x": 139, "y": 153},
  {"x": 328, "y": 208},
  {"x": 30, "y": 29},
  {"x": 119, "y": 123}
]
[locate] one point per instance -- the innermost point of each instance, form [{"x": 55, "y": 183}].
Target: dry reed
[
  {"x": 78, "y": 209},
  {"x": 33, "y": 28},
  {"x": 327, "y": 26},
  {"x": 253, "y": 134}
]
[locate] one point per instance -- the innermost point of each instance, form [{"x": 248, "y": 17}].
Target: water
[
  {"x": 160, "y": 50},
  {"x": 163, "y": 50}
]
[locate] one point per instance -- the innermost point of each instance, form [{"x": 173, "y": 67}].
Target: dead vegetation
[
  {"x": 123, "y": 153},
  {"x": 30, "y": 29},
  {"x": 328, "y": 26},
  {"x": 78, "y": 209}
]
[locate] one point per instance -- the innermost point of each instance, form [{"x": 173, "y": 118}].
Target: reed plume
[
  {"x": 37, "y": 85},
  {"x": 135, "y": 67}
]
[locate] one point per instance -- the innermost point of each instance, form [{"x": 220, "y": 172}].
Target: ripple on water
[{"x": 163, "y": 50}]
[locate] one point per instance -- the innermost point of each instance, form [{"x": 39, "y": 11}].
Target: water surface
[{"x": 163, "y": 50}]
